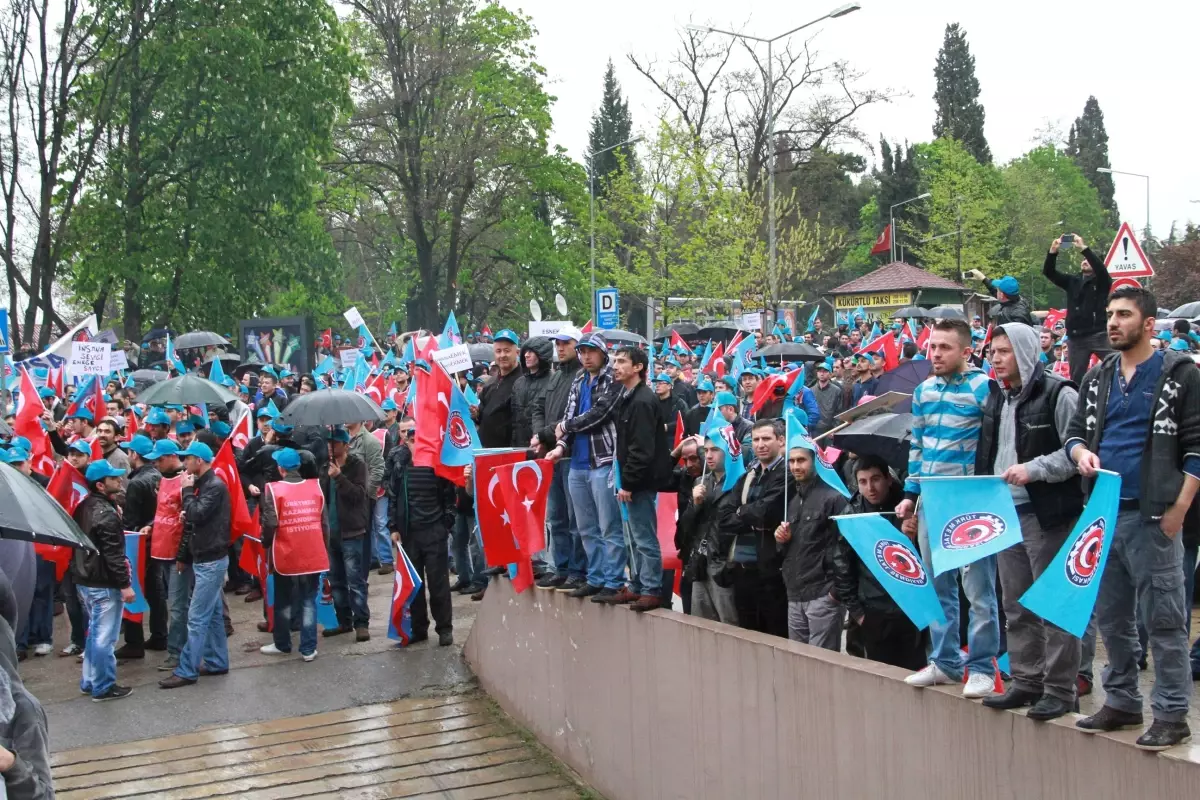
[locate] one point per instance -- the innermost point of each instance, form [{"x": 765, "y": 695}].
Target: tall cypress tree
[
  {"x": 898, "y": 181},
  {"x": 612, "y": 123},
  {"x": 1087, "y": 144},
  {"x": 959, "y": 112}
]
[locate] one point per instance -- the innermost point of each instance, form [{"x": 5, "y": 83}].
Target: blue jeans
[
  {"x": 983, "y": 635},
  {"x": 1143, "y": 582},
  {"x": 380, "y": 535},
  {"x": 570, "y": 561},
  {"x": 104, "y": 609},
  {"x": 292, "y": 590},
  {"x": 38, "y": 626},
  {"x": 179, "y": 598},
  {"x": 641, "y": 537},
  {"x": 348, "y": 582},
  {"x": 468, "y": 559},
  {"x": 206, "y": 625},
  {"x": 599, "y": 521},
  {"x": 1189, "y": 593}
]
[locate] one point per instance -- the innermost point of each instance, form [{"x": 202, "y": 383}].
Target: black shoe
[
  {"x": 1013, "y": 698},
  {"x": 493, "y": 571},
  {"x": 114, "y": 692},
  {"x": 1107, "y": 720},
  {"x": 445, "y": 638},
  {"x": 156, "y": 644},
  {"x": 459, "y": 585},
  {"x": 418, "y": 637},
  {"x": 175, "y": 682},
  {"x": 1050, "y": 707},
  {"x": 338, "y": 631},
  {"x": 586, "y": 590},
  {"x": 550, "y": 581},
  {"x": 1143, "y": 665},
  {"x": 571, "y": 584},
  {"x": 22, "y": 655},
  {"x": 128, "y": 652},
  {"x": 604, "y": 596},
  {"x": 1162, "y": 735},
  {"x": 473, "y": 588}
]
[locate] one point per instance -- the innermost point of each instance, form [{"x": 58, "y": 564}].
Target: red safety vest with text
[
  {"x": 168, "y": 519},
  {"x": 299, "y": 545}
]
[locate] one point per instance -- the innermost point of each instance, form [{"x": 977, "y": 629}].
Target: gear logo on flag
[
  {"x": 362, "y": 342},
  {"x": 824, "y": 459},
  {"x": 971, "y": 530},
  {"x": 1084, "y": 555},
  {"x": 899, "y": 561},
  {"x": 456, "y": 429}
]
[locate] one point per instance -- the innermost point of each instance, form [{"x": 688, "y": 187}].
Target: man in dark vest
[{"x": 1024, "y": 426}]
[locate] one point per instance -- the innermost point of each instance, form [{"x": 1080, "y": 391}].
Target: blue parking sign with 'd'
[
  {"x": 4, "y": 348},
  {"x": 607, "y": 308}
]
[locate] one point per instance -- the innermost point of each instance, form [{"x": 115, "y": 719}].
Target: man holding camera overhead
[{"x": 1087, "y": 299}]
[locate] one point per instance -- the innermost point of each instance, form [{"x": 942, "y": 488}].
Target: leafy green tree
[
  {"x": 206, "y": 207},
  {"x": 967, "y": 196},
  {"x": 959, "y": 112},
  {"x": 1087, "y": 143},
  {"x": 899, "y": 180},
  {"x": 612, "y": 123},
  {"x": 1046, "y": 195}
]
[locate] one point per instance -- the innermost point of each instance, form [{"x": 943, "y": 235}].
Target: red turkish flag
[
  {"x": 225, "y": 466},
  {"x": 667, "y": 510},
  {"x": 1054, "y": 316},
  {"x": 433, "y": 408},
  {"x": 240, "y": 436},
  {"x": 495, "y": 525},
  {"x": 717, "y": 356},
  {"x": 69, "y": 488},
  {"x": 884, "y": 243},
  {"x": 887, "y": 345},
  {"x": 525, "y": 486}
]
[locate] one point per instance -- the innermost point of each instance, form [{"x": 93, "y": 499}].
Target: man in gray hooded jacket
[
  {"x": 24, "y": 740},
  {"x": 1024, "y": 425}
]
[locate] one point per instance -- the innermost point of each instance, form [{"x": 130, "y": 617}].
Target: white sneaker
[
  {"x": 271, "y": 650},
  {"x": 310, "y": 656},
  {"x": 979, "y": 686},
  {"x": 930, "y": 676},
  {"x": 43, "y": 649}
]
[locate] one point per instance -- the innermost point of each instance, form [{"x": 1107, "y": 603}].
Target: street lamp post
[
  {"x": 1136, "y": 175},
  {"x": 840, "y": 11},
  {"x": 892, "y": 218},
  {"x": 592, "y": 210}
]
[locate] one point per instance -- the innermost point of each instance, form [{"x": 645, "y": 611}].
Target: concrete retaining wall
[{"x": 668, "y": 706}]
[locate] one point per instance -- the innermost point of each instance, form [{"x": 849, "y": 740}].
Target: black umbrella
[
  {"x": 229, "y": 362},
  {"x": 885, "y": 435},
  {"x": 792, "y": 351},
  {"x": 910, "y": 312},
  {"x": 331, "y": 407},
  {"x": 242, "y": 369},
  {"x": 1186, "y": 311},
  {"x": 482, "y": 352},
  {"x": 617, "y": 336},
  {"x": 186, "y": 390},
  {"x": 946, "y": 312},
  {"x": 27, "y": 512},
  {"x": 721, "y": 332},
  {"x": 157, "y": 333},
  {"x": 684, "y": 329},
  {"x": 199, "y": 339},
  {"x": 904, "y": 379},
  {"x": 148, "y": 376}
]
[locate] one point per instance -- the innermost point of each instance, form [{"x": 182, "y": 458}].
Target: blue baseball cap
[
  {"x": 266, "y": 411},
  {"x": 595, "y": 340},
  {"x": 662, "y": 377},
  {"x": 98, "y": 470},
  {"x": 507, "y": 335},
  {"x": 140, "y": 444},
  {"x": 705, "y": 384},
  {"x": 755, "y": 371},
  {"x": 183, "y": 426},
  {"x": 1008, "y": 284},
  {"x": 174, "y": 407},
  {"x": 82, "y": 413},
  {"x": 826, "y": 365},
  {"x": 281, "y": 427},
  {"x": 198, "y": 449},
  {"x": 729, "y": 381},
  {"x": 287, "y": 458},
  {"x": 1179, "y": 344},
  {"x": 21, "y": 442},
  {"x": 726, "y": 399},
  {"x": 221, "y": 428},
  {"x": 338, "y": 434},
  {"x": 46, "y": 391},
  {"x": 157, "y": 417},
  {"x": 162, "y": 448},
  {"x": 80, "y": 446},
  {"x": 15, "y": 455},
  {"x": 389, "y": 405}
]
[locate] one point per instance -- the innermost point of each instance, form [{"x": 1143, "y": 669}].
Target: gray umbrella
[
  {"x": 331, "y": 407},
  {"x": 911, "y": 312},
  {"x": 616, "y": 336},
  {"x": 1186, "y": 311},
  {"x": 482, "y": 352},
  {"x": 27, "y": 512},
  {"x": 947, "y": 312},
  {"x": 792, "y": 351},
  {"x": 199, "y": 339},
  {"x": 186, "y": 390}
]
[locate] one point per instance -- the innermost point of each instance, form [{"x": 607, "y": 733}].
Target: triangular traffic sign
[{"x": 1125, "y": 258}]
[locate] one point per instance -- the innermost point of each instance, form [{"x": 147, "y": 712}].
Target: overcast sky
[{"x": 1037, "y": 62}]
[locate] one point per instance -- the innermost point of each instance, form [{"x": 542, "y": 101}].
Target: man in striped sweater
[{"x": 947, "y": 411}]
